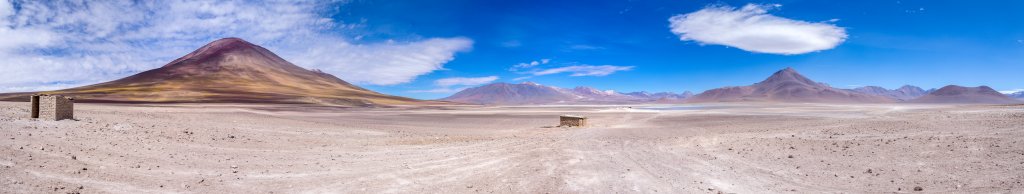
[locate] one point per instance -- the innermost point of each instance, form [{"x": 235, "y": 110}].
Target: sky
[{"x": 430, "y": 49}]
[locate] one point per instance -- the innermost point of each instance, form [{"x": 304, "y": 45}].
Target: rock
[{"x": 918, "y": 188}]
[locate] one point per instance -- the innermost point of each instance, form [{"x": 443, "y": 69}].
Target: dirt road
[{"x": 737, "y": 148}]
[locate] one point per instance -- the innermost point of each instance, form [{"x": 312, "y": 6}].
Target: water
[{"x": 679, "y": 107}]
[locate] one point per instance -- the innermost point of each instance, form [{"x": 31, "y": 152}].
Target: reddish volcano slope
[
  {"x": 233, "y": 70},
  {"x": 786, "y": 86}
]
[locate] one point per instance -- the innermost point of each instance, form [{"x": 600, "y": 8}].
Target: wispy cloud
[
  {"x": 440, "y": 90},
  {"x": 530, "y": 64},
  {"x": 511, "y": 44},
  {"x": 584, "y": 70},
  {"x": 535, "y": 68},
  {"x": 445, "y": 85},
  {"x": 751, "y": 28},
  {"x": 464, "y": 81},
  {"x": 83, "y": 42},
  {"x": 585, "y": 47}
]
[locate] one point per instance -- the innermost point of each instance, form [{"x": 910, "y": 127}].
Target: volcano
[
  {"x": 786, "y": 85},
  {"x": 232, "y": 70},
  {"x": 966, "y": 95}
]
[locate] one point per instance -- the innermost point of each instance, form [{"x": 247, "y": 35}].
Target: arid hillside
[{"x": 231, "y": 70}]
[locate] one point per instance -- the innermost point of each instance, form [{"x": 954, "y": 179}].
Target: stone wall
[
  {"x": 572, "y": 121},
  {"x": 56, "y": 108}
]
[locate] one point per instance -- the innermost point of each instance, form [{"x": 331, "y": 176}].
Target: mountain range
[
  {"x": 787, "y": 85},
  {"x": 533, "y": 93},
  {"x": 907, "y": 92},
  {"x": 1017, "y": 95},
  {"x": 231, "y": 70},
  {"x": 966, "y": 95}
]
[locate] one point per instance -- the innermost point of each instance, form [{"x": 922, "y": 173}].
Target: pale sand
[{"x": 753, "y": 148}]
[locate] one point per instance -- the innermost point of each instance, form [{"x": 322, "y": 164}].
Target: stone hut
[
  {"x": 53, "y": 107},
  {"x": 572, "y": 121}
]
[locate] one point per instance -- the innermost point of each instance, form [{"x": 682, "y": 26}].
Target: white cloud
[
  {"x": 530, "y": 64},
  {"x": 6, "y": 9},
  {"x": 464, "y": 81},
  {"x": 584, "y": 70},
  {"x": 511, "y": 44},
  {"x": 521, "y": 78},
  {"x": 751, "y": 28},
  {"x": 47, "y": 45},
  {"x": 585, "y": 47},
  {"x": 440, "y": 90},
  {"x": 382, "y": 64},
  {"x": 445, "y": 84}
]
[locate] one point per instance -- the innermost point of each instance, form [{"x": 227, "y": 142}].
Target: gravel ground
[{"x": 733, "y": 148}]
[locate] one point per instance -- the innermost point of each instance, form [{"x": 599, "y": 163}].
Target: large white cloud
[
  {"x": 50, "y": 45},
  {"x": 751, "y": 28},
  {"x": 383, "y": 63}
]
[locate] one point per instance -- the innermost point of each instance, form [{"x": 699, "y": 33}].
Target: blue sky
[{"x": 430, "y": 49}]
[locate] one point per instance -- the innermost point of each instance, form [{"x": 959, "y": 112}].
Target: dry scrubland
[{"x": 753, "y": 148}]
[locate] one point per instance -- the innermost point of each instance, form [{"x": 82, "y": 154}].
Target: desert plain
[{"x": 703, "y": 148}]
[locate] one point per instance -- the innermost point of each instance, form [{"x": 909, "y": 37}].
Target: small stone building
[
  {"x": 572, "y": 121},
  {"x": 53, "y": 107}
]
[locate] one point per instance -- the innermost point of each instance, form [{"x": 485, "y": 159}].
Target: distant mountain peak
[
  {"x": 961, "y": 94},
  {"x": 906, "y": 92},
  {"x": 786, "y": 85},
  {"x": 909, "y": 87},
  {"x": 1019, "y": 95},
  {"x": 788, "y": 75}
]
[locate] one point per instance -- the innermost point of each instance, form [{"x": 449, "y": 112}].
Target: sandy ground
[{"x": 752, "y": 148}]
